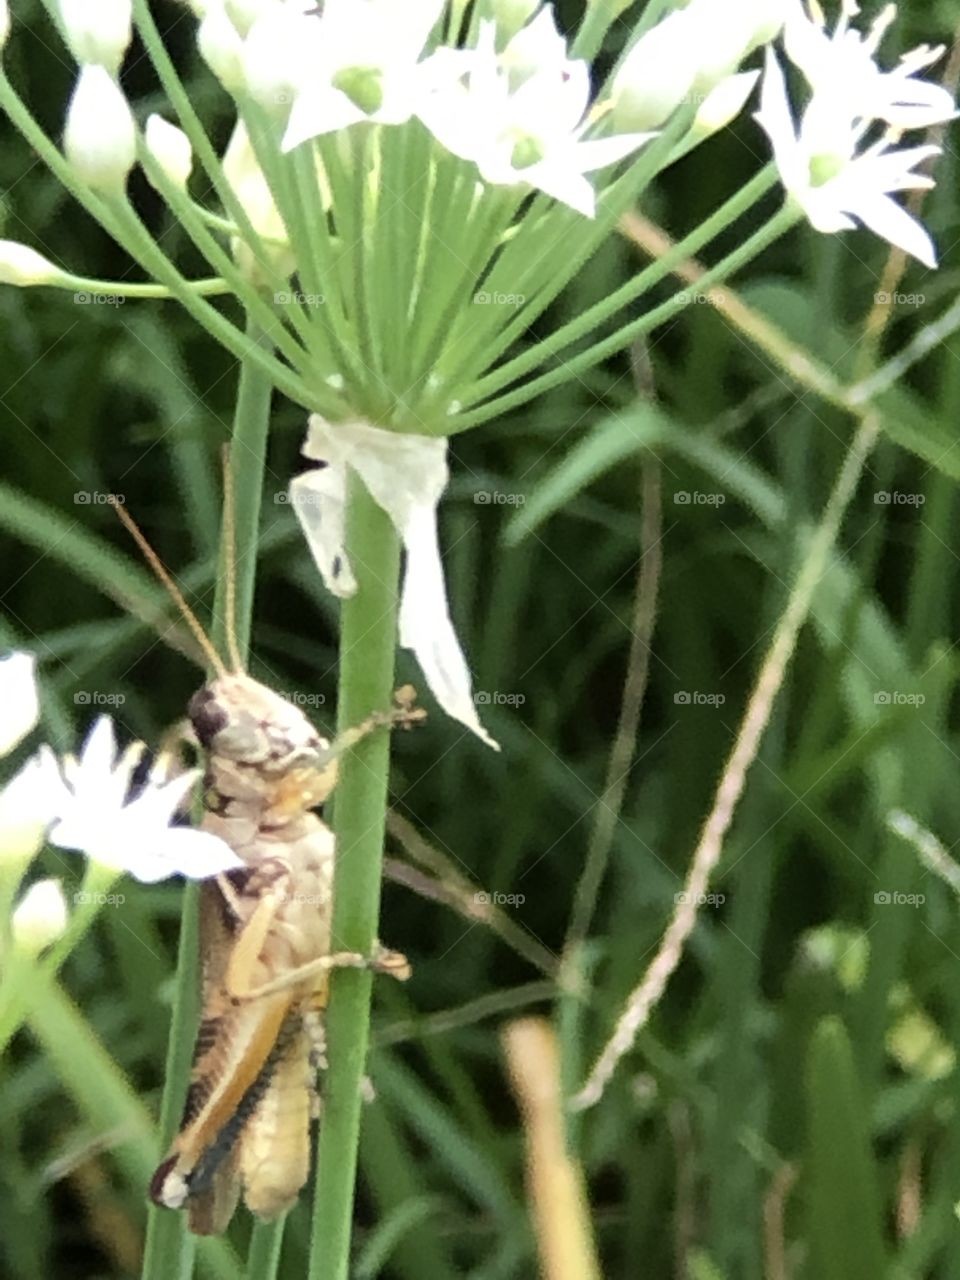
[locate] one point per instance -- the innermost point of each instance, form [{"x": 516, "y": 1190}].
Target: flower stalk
[{"x": 367, "y": 646}]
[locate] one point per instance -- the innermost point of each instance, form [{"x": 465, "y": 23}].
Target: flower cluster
[
  {"x": 87, "y": 804},
  {"x": 400, "y": 160}
]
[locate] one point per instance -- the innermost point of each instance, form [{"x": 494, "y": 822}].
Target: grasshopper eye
[{"x": 206, "y": 716}]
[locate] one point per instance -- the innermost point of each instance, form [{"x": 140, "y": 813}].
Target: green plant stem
[
  {"x": 169, "y": 1249},
  {"x": 367, "y": 647}
]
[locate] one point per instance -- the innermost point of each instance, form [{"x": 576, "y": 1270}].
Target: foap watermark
[
  {"x": 94, "y": 498},
  {"x": 694, "y": 698},
  {"x": 82, "y": 899},
  {"x": 94, "y": 698},
  {"x": 292, "y": 297},
  {"x": 301, "y": 699},
  {"x": 894, "y": 898},
  {"x": 701, "y": 297},
  {"x": 684, "y": 899},
  {"x": 84, "y": 299},
  {"x": 497, "y": 698},
  {"x": 694, "y": 498},
  {"x": 484, "y": 299},
  {"x": 897, "y": 698},
  {"x": 494, "y": 498},
  {"x": 885, "y": 299},
  {"x": 484, "y": 899},
  {"x": 895, "y": 498}
]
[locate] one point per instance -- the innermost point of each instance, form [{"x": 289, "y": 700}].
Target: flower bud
[
  {"x": 100, "y": 138},
  {"x": 97, "y": 31},
  {"x": 656, "y": 76},
  {"x": 27, "y": 804},
  {"x": 170, "y": 147},
  {"x": 4, "y": 22},
  {"x": 221, "y": 48},
  {"x": 40, "y": 917},
  {"x": 241, "y": 170},
  {"x": 724, "y": 103},
  {"x": 274, "y": 60}
]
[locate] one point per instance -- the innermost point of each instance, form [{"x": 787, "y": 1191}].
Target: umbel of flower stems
[{"x": 408, "y": 187}]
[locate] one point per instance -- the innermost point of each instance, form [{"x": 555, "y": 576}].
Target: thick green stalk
[
  {"x": 367, "y": 647},
  {"x": 168, "y": 1252}
]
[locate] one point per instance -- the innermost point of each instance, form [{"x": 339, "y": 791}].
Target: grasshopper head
[{"x": 239, "y": 720}]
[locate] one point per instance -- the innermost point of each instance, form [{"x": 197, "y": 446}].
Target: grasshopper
[{"x": 266, "y": 945}]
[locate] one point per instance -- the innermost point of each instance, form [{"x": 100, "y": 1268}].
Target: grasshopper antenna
[
  {"x": 156, "y": 564},
  {"x": 230, "y": 562}
]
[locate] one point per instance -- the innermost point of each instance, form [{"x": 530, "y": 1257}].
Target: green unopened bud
[
  {"x": 170, "y": 147},
  {"x": 22, "y": 266},
  {"x": 97, "y": 31},
  {"x": 40, "y": 917},
  {"x": 363, "y": 86},
  {"x": 100, "y": 138}
]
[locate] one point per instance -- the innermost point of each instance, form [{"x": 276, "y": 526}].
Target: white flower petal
[
  {"x": 19, "y": 699},
  {"x": 29, "y": 803},
  {"x": 885, "y": 217},
  {"x": 183, "y": 851}
]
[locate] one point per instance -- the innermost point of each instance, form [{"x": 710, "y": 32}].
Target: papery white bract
[
  {"x": 40, "y": 917},
  {"x": 170, "y": 147},
  {"x": 406, "y": 475},
  {"x": 94, "y": 816},
  {"x": 364, "y": 63},
  {"x": 19, "y": 699},
  {"x": 842, "y": 69},
  {"x": 823, "y": 173},
  {"x": 532, "y": 132},
  {"x": 100, "y": 138},
  {"x": 97, "y": 31}
]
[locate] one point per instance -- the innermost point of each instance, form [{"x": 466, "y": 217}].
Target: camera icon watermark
[
  {"x": 88, "y": 498},
  {"x": 896, "y": 698},
  {"x": 494, "y": 498},
  {"x": 497, "y": 698},
  {"x": 694, "y": 698},
  {"x": 94, "y": 698},
  {"x": 694, "y": 498},
  {"x": 888, "y": 898},
  {"x": 896, "y": 498}
]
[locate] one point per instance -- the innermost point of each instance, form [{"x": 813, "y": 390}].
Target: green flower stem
[
  {"x": 122, "y": 224},
  {"x": 751, "y": 248},
  {"x": 169, "y": 1247},
  {"x": 102, "y": 1094},
  {"x": 597, "y": 315},
  {"x": 210, "y": 287},
  {"x": 367, "y": 647}
]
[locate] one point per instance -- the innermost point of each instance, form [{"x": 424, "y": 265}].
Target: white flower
[
  {"x": 842, "y": 69},
  {"x": 95, "y": 816},
  {"x": 23, "y": 266},
  {"x": 100, "y": 138},
  {"x": 40, "y": 916},
  {"x": 28, "y": 806},
  {"x": 531, "y": 132},
  {"x": 406, "y": 476},
  {"x": 170, "y": 147},
  {"x": 831, "y": 183},
  {"x": 363, "y": 63},
  {"x": 4, "y": 23},
  {"x": 19, "y": 700},
  {"x": 276, "y": 57},
  {"x": 97, "y": 31}
]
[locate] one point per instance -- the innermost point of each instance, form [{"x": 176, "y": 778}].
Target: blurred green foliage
[{"x": 778, "y": 1110}]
